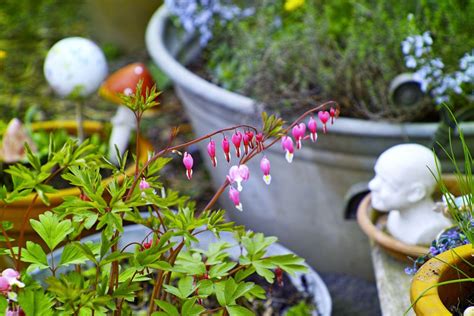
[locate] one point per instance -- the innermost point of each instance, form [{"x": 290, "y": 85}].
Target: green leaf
[
  {"x": 290, "y": 263},
  {"x": 263, "y": 269},
  {"x": 185, "y": 288},
  {"x": 220, "y": 270},
  {"x": 116, "y": 256},
  {"x": 3, "y": 304},
  {"x": 35, "y": 302},
  {"x": 190, "y": 308},
  {"x": 206, "y": 288},
  {"x": 35, "y": 255},
  {"x": 167, "y": 308},
  {"x": 51, "y": 229},
  {"x": 236, "y": 310},
  {"x": 87, "y": 251},
  {"x": 72, "y": 255}
]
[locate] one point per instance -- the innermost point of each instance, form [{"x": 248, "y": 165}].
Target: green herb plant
[{"x": 105, "y": 279}]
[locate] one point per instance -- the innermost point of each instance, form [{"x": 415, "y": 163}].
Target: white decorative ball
[{"x": 75, "y": 64}]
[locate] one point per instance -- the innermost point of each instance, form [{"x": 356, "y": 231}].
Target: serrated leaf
[
  {"x": 35, "y": 302},
  {"x": 167, "y": 308},
  {"x": 34, "y": 254},
  {"x": 51, "y": 229},
  {"x": 72, "y": 255},
  {"x": 190, "y": 308},
  {"x": 236, "y": 310},
  {"x": 115, "y": 256},
  {"x": 220, "y": 270}
]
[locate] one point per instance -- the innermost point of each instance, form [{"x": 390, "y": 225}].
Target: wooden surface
[{"x": 393, "y": 284}]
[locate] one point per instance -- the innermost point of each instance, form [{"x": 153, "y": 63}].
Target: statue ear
[{"x": 417, "y": 192}]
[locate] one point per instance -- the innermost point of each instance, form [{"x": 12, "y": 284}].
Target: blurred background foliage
[{"x": 343, "y": 50}]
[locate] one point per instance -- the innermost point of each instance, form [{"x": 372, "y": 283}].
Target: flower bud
[
  {"x": 234, "y": 195},
  {"x": 324, "y": 117},
  {"x": 313, "y": 126},
  {"x": 298, "y": 132},
  {"x": 188, "y": 164},
  {"x": 287, "y": 145},
  {"x": 236, "y": 140},
  {"x": 211, "y": 150},
  {"x": 144, "y": 184},
  {"x": 265, "y": 167},
  {"x": 226, "y": 148}
]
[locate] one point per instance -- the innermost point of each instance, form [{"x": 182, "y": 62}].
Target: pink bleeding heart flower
[
  {"x": 259, "y": 141},
  {"x": 144, "y": 184},
  {"x": 246, "y": 140},
  {"x": 313, "y": 126},
  {"x": 265, "y": 167},
  {"x": 298, "y": 132},
  {"x": 250, "y": 138},
  {"x": 238, "y": 174},
  {"x": 211, "y": 150},
  {"x": 188, "y": 164},
  {"x": 234, "y": 195},
  {"x": 226, "y": 148},
  {"x": 4, "y": 285},
  {"x": 287, "y": 145},
  {"x": 236, "y": 140},
  {"x": 147, "y": 244},
  {"x": 332, "y": 114},
  {"x": 12, "y": 277},
  {"x": 17, "y": 312},
  {"x": 324, "y": 118}
]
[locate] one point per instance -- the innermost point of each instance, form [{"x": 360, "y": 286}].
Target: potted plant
[
  {"x": 155, "y": 264},
  {"x": 264, "y": 56},
  {"x": 443, "y": 283},
  {"x": 36, "y": 199}
]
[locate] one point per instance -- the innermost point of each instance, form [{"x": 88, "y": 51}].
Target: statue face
[{"x": 388, "y": 192}]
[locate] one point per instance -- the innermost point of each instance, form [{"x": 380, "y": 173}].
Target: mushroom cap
[
  {"x": 75, "y": 65},
  {"x": 124, "y": 81}
]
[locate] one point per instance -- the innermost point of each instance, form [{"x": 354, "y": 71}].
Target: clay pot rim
[{"x": 424, "y": 282}]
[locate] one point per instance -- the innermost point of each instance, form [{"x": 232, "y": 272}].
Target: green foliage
[
  {"x": 105, "y": 276},
  {"x": 461, "y": 208},
  {"x": 348, "y": 51}
]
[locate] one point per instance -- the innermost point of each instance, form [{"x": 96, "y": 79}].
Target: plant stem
[
  {"x": 79, "y": 120},
  {"x": 158, "y": 285}
]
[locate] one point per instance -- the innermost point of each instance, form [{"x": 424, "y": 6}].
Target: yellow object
[
  {"x": 291, "y": 5},
  {"x": 442, "y": 268},
  {"x": 3, "y": 54}
]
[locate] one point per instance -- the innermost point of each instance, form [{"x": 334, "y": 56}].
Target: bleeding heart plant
[{"x": 104, "y": 279}]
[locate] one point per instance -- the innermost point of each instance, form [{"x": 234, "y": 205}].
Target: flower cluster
[
  {"x": 9, "y": 281},
  {"x": 254, "y": 143},
  {"x": 430, "y": 70},
  {"x": 201, "y": 15},
  {"x": 449, "y": 239}
]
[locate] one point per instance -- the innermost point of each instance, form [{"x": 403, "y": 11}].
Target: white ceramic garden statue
[{"x": 403, "y": 186}]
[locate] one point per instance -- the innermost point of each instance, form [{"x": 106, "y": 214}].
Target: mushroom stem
[
  {"x": 123, "y": 123},
  {"x": 79, "y": 120}
]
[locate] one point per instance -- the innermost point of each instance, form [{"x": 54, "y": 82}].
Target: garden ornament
[
  {"x": 403, "y": 186},
  {"x": 124, "y": 81},
  {"x": 405, "y": 90},
  {"x": 75, "y": 67},
  {"x": 12, "y": 148}
]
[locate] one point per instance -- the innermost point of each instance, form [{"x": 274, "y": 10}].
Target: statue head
[{"x": 403, "y": 177}]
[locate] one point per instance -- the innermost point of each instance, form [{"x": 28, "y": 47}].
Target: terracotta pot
[
  {"x": 16, "y": 211},
  {"x": 440, "y": 269},
  {"x": 373, "y": 224}
]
